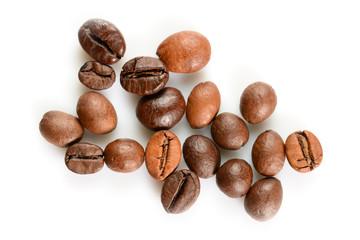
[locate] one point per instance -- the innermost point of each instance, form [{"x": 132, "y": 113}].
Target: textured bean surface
[{"x": 96, "y": 76}]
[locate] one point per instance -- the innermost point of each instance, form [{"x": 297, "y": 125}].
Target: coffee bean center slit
[
  {"x": 179, "y": 191},
  {"x": 82, "y": 157},
  {"x": 164, "y": 156},
  {"x": 99, "y": 41},
  {"x": 305, "y": 148}
]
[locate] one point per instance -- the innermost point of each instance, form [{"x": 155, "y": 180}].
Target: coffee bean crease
[
  {"x": 180, "y": 190},
  {"x": 98, "y": 41}
]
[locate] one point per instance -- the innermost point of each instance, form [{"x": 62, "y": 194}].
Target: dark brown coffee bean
[
  {"x": 201, "y": 155},
  {"x": 102, "y": 41},
  {"x": 96, "y": 113},
  {"x": 229, "y": 131},
  {"x": 84, "y": 158},
  {"x": 303, "y": 151},
  {"x": 180, "y": 191},
  {"x": 234, "y": 178},
  {"x": 124, "y": 155},
  {"x": 162, "y": 154},
  {"x": 264, "y": 199},
  {"x": 96, "y": 76},
  {"x": 162, "y": 110},
  {"x": 144, "y": 75},
  {"x": 203, "y": 104},
  {"x": 258, "y": 102},
  {"x": 185, "y": 52},
  {"x": 61, "y": 129},
  {"x": 268, "y": 153}
]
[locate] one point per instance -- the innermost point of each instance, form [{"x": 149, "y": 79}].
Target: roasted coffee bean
[
  {"x": 203, "y": 104},
  {"x": 234, "y": 178},
  {"x": 303, "y": 151},
  {"x": 201, "y": 155},
  {"x": 102, "y": 41},
  {"x": 264, "y": 199},
  {"x": 61, "y": 129},
  {"x": 162, "y": 154},
  {"x": 162, "y": 110},
  {"x": 84, "y": 158},
  {"x": 268, "y": 153},
  {"x": 180, "y": 191},
  {"x": 258, "y": 102},
  {"x": 229, "y": 131},
  {"x": 185, "y": 52},
  {"x": 124, "y": 155},
  {"x": 96, "y": 113},
  {"x": 144, "y": 75},
  {"x": 96, "y": 76}
]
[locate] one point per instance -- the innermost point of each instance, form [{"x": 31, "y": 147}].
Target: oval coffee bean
[
  {"x": 61, "y": 129},
  {"x": 96, "y": 113},
  {"x": 303, "y": 151},
  {"x": 268, "y": 153},
  {"x": 102, "y": 41},
  {"x": 96, "y": 76},
  {"x": 264, "y": 199},
  {"x": 144, "y": 75},
  {"x": 203, "y": 104},
  {"x": 84, "y": 158},
  {"x": 162, "y": 154},
  {"x": 180, "y": 191},
  {"x": 185, "y": 52},
  {"x": 201, "y": 155}
]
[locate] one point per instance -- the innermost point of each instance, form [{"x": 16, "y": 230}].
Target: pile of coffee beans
[{"x": 160, "y": 109}]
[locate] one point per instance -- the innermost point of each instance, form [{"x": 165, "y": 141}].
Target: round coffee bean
[
  {"x": 180, "y": 191},
  {"x": 124, "y": 155},
  {"x": 264, "y": 199},
  {"x": 96, "y": 76},
  {"x": 185, "y": 52},
  {"x": 144, "y": 75},
  {"x": 61, "y": 129},
  {"x": 84, "y": 158},
  {"x": 303, "y": 151}
]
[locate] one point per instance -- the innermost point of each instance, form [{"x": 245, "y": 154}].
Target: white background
[{"x": 309, "y": 51}]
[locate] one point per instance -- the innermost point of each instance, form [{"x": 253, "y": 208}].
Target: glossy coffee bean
[
  {"x": 234, "y": 178},
  {"x": 84, "y": 158},
  {"x": 201, "y": 155},
  {"x": 162, "y": 154},
  {"x": 144, "y": 75},
  {"x": 102, "y": 41},
  {"x": 303, "y": 151},
  {"x": 229, "y": 131},
  {"x": 61, "y": 129},
  {"x": 185, "y": 52},
  {"x": 258, "y": 102},
  {"x": 96, "y": 76},
  {"x": 124, "y": 155},
  {"x": 268, "y": 153},
  {"x": 264, "y": 199},
  {"x": 162, "y": 110},
  {"x": 180, "y": 191},
  {"x": 96, "y": 113},
  {"x": 203, "y": 104}
]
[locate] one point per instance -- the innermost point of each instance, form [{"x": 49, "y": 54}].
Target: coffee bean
[
  {"x": 234, "y": 178},
  {"x": 84, "y": 158},
  {"x": 61, "y": 129},
  {"x": 96, "y": 113},
  {"x": 185, "y": 52},
  {"x": 229, "y": 131},
  {"x": 268, "y": 153},
  {"x": 162, "y": 154},
  {"x": 201, "y": 155},
  {"x": 162, "y": 110},
  {"x": 203, "y": 104},
  {"x": 102, "y": 41},
  {"x": 264, "y": 199},
  {"x": 96, "y": 76},
  {"x": 124, "y": 155},
  {"x": 144, "y": 75},
  {"x": 303, "y": 151},
  {"x": 258, "y": 102},
  {"x": 180, "y": 191}
]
